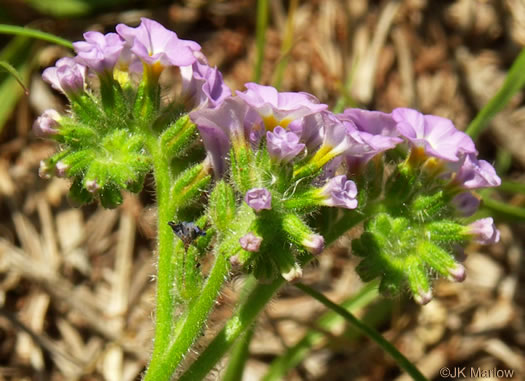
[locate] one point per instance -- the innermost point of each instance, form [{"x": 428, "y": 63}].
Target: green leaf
[
  {"x": 69, "y": 8},
  {"x": 513, "y": 82},
  {"x": 388, "y": 347},
  {"x": 34, "y": 33}
]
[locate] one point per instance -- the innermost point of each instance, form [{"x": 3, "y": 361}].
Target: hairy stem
[
  {"x": 165, "y": 274},
  {"x": 248, "y": 311},
  {"x": 190, "y": 325}
]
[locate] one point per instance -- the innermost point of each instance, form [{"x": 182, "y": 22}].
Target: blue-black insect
[{"x": 186, "y": 231}]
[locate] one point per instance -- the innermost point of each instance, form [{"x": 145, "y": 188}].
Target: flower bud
[
  {"x": 484, "y": 231},
  {"x": 45, "y": 125},
  {"x": 314, "y": 243},
  {"x": 61, "y": 169},
  {"x": 457, "y": 273},
  {"x": 423, "y": 297},
  {"x": 67, "y": 76},
  {"x": 466, "y": 203},
  {"x": 300, "y": 234},
  {"x": 339, "y": 192},
  {"x": 92, "y": 186},
  {"x": 250, "y": 242},
  {"x": 282, "y": 145},
  {"x": 259, "y": 199}
]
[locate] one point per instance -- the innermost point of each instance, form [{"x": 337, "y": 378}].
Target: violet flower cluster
[{"x": 282, "y": 159}]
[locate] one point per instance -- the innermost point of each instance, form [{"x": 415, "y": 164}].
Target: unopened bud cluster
[{"x": 279, "y": 160}]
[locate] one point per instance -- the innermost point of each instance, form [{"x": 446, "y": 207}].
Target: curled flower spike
[
  {"x": 259, "y": 199},
  {"x": 279, "y": 109},
  {"x": 339, "y": 192},
  {"x": 203, "y": 85},
  {"x": 66, "y": 76},
  {"x": 250, "y": 242},
  {"x": 46, "y": 124},
  {"x": 436, "y": 135},
  {"x": 282, "y": 145},
  {"x": 99, "y": 52},
  {"x": 157, "y": 46},
  {"x": 484, "y": 231}
]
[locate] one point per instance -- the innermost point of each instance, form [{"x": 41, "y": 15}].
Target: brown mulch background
[{"x": 77, "y": 285}]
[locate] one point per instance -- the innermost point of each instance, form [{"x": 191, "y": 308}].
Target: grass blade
[
  {"x": 260, "y": 37},
  {"x": 286, "y": 45},
  {"x": 34, "y": 33},
  {"x": 11, "y": 70},
  {"x": 297, "y": 353},
  {"x": 18, "y": 52},
  {"x": 400, "y": 359},
  {"x": 513, "y": 82}
]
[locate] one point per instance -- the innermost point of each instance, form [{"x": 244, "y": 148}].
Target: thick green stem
[
  {"x": 165, "y": 274},
  {"x": 189, "y": 326}
]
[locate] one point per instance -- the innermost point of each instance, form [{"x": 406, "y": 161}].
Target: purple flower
[
  {"x": 157, "y": 46},
  {"x": 220, "y": 126},
  {"x": 436, "y": 135},
  {"x": 310, "y": 130},
  {"x": 259, "y": 199},
  {"x": 376, "y": 129},
  {"x": 339, "y": 192},
  {"x": 46, "y": 124},
  {"x": 484, "y": 231},
  {"x": 99, "y": 52},
  {"x": 314, "y": 243},
  {"x": 279, "y": 109},
  {"x": 203, "y": 84},
  {"x": 250, "y": 242},
  {"x": 475, "y": 174},
  {"x": 66, "y": 76},
  {"x": 341, "y": 136},
  {"x": 282, "y": 145},
  {"x": 466, "y": 203}
]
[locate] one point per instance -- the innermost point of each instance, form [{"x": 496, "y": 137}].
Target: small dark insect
[{"x": 186, "y": 231}]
